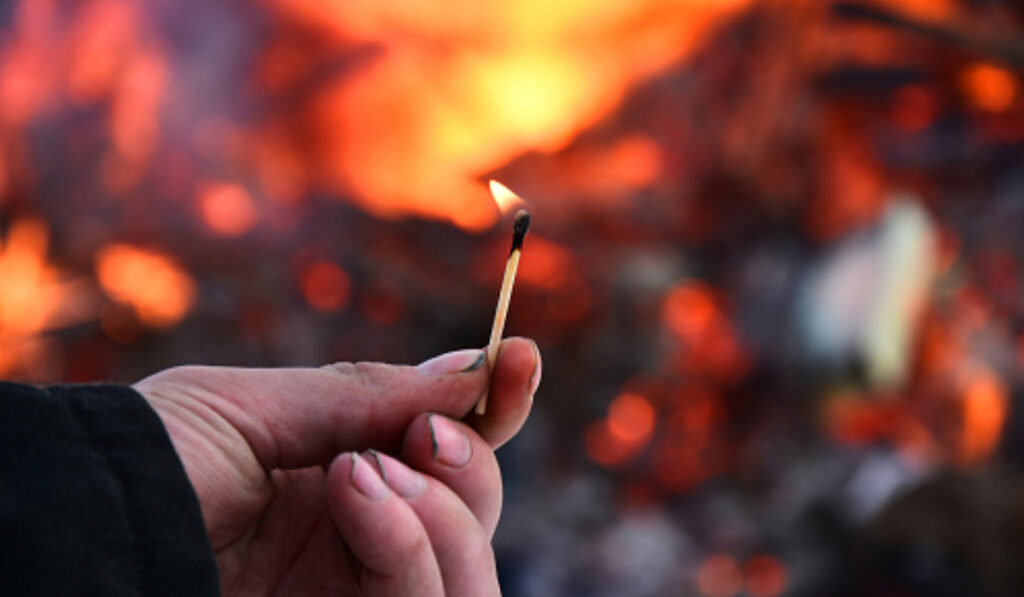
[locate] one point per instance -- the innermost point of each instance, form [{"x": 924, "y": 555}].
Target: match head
[{"x": 519, "y": 228}]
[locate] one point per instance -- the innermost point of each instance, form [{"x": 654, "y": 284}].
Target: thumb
[{"x": 298, "y": 417}]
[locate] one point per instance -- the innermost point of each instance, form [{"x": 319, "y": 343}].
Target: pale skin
[{"x": 360, "y": 479}]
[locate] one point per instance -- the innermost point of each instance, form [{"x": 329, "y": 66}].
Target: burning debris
[{"x": 775, "y": 270}]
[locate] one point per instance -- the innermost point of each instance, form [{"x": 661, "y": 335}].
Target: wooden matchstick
[{"x": 519, "y": 228}]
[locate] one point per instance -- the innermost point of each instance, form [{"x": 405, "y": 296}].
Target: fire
[
  {"x": 990, "y": 87},
  {"x": 34, "y": 297},
  {"x": 457, "y": 91},
  {"x": 631, "y": 418},
  {"x": 151, "y": 282},
  {"x": 985, "y": 406},
  {"x": 226, "y": 208},
  {"x": 504, "y": 198},
  {"x": 325, "y": 286}
]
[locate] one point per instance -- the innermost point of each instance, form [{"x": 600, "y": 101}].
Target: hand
[{"x": 295, "y": 503}]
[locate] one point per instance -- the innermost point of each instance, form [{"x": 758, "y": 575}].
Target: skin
[{"x": 299, "y": 493}]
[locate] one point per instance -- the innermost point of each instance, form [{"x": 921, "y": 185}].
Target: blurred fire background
[{"x": 775, "y": 269}]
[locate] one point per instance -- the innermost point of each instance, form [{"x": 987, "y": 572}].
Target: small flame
[
  {"x": 151, "y": 282},
  {"x": 504, "y": 198}
]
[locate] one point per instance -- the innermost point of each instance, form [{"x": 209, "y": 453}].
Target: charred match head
[{"x": 519, "y": 228}]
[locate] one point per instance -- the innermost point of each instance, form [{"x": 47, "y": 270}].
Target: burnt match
[{"x": 519, "y": 228}]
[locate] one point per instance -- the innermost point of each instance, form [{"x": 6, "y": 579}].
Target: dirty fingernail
[
  {"x": 366, "y": 481},
  {"x": 459, "y": 361},
  {"x": 451, "y": 446},
  {"x": 399, "y": 477}
]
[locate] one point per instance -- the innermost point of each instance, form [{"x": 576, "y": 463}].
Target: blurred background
[{"x": 774, "y": 270}]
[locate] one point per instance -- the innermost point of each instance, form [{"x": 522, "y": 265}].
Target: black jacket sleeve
[{"x": 94, "y": 500}]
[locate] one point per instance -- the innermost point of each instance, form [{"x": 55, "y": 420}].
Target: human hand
[{"x": 288, "y": 465}]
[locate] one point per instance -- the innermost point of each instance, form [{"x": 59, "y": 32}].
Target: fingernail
[
  {"x": 451, "y": 446},
  {"x": 405, "y": 481},
  {"x": 365, "y": 479},
  {"x": 535, "y": 376},
  {"x": 460, "y": 361}
]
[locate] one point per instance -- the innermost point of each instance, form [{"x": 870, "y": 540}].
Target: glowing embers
[
  {"x": 989, "y": 87},
  {"x": 623, "y": 433},
  {"x": 150, "y": 281},
  {"x": 227, "y": 209},
  {"x": 707, "y": 343},
  {"x": 721, "y": 575},
  {"x": 325, "y": 285},
  {"x": 34, "y": 297},
  {"x": 985, "y": 406}
]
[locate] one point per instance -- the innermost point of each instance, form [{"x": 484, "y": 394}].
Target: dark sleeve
[{"x": 93, "y": 498}]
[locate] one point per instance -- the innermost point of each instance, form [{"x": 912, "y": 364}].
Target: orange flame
[
  {"x": 631, "y": 418},
  {"x": 153, "y": 283},
  {"x": 226, "y": 208},
  {"x": 33, "y": 298},
  {"x": 459, "y": 90},
  {"x": 325, "y": 286},
  {"x": 984, "y": 410},
  {"x": 989, "y": 87}
]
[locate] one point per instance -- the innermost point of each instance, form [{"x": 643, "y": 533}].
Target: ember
[{"x": 775, "y": 275}]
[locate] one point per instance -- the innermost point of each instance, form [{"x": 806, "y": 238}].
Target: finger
[
  {"x": 514, "y": 381},
  {"x": 454, "y": 454},
  {"x": 382, "y": 531},
  {"x": 462, "y": 548},
  {"x": 298, "y": 417}
]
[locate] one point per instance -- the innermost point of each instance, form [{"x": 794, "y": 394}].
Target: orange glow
[
  {"x": 604, "y": 447},
  {"x": 103, "y": 37},
  {"x": 928, "y": 10},
  {"x": 34, "y": 298},
  {"x": 690, "y": 310},
  {"x": 459, "y": 90},
  {"x": 914, "y": 107},
  {"x": 984, "y": 410},
  {"x": 545, "y": 263},
  {"x": 226, "y": 208},
  {"x": 24, "y": 83},
  {"x": 719, "y": 576},
  {"x": 570, "y": 301},
  {"x": 631, "y": 418},
  {"x": 506, "y": 200},
  {"x": 676, "y": 462},
  {"x": 990, "y": 87},
  {"x": 325, "y": 286},
  {"x": 766, "y": 576},
  {"x": 151, "y": 282},
  {"x": 136, "y": 108}
]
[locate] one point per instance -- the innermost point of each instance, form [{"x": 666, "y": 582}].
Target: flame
[
  {"x": 690, "y": 310},
  {"x": 34, "y": 298},
  {"x": 985, "y": 408},
  {"x": 631, "y": 418},
  {"x": 989, "y": 87},
  {"x": 151, "y": 282},
  {"x": 458, "y": 91},
  {"x": 227, "y": 208},
  {"x": 504, "y": 198},
  {"x": 548, "y": 264}
]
